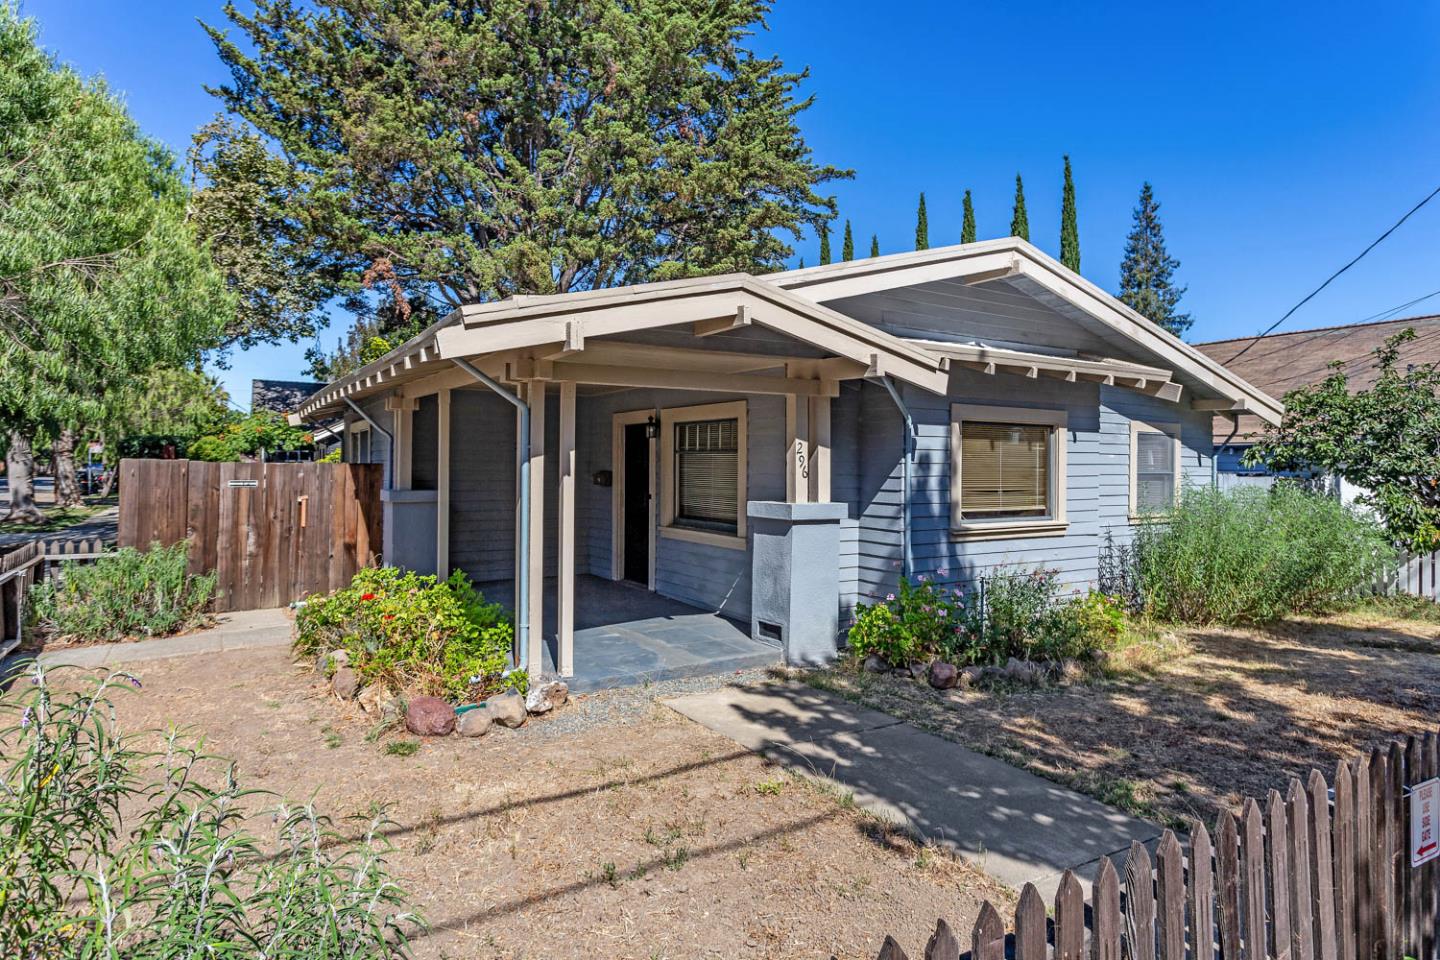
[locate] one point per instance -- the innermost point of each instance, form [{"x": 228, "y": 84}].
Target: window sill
[
  {"x": 1010, "y": 531},
  {"x": 1151, "y": 517},
  {"x": 729, "y": 541}
]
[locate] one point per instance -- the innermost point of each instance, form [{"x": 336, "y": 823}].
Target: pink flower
[{"x": 890, "y": 597}]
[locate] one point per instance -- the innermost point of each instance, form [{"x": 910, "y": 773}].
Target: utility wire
[{"x": 1311, "y": 295}]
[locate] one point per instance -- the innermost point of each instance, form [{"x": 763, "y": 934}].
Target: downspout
[
  {"x": 522, "y": 445},
  {"x": 389, "y": 440},
  {"x": 907, "y": 566},
  {"x": 1215, "y": 456}
]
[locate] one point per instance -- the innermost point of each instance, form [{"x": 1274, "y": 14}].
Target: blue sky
[{"x": 1281, "y": 138}]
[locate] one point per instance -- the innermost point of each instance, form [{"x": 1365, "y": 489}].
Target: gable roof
[
  {"x": 280, "y": 396},
  {"x": 1282, "y": 362}
]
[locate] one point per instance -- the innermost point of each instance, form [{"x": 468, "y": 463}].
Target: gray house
[{"x": 713, "y": 470}]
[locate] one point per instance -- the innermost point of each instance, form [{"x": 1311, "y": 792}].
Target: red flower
[
  {"x": 367, "y": 596},
  {"x": 388, "y": 616}
]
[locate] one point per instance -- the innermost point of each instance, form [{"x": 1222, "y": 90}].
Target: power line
[{"x": 1308, "y": 297}]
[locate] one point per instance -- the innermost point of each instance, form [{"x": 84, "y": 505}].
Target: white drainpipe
[{"x": 908, "y": 560}]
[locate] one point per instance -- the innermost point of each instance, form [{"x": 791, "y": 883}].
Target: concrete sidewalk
[
  {"x": 1012, "y": 824},
  {"x": 241, "y": 630}
]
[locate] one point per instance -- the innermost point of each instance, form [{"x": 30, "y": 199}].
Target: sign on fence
[{"x": 1424, "y": 808}]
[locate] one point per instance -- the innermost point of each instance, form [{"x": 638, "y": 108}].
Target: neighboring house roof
[
  {"x": 802, "y": 304},
  {"x": 1283, "y": 362},
  {"x": 280, "y": 396}
]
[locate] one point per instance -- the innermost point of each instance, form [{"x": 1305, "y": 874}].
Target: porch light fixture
[{"x": 652, "y": 428}]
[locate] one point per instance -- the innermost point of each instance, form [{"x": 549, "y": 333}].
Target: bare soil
[
  {"x": 1224, "y": 714},
  {"x": 655, "y": 838}
]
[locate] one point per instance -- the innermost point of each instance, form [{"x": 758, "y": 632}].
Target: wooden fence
[
  {"x": 27, "y": 565},
  {"x": 1316, "y": 874},
  {"x": 1416, "y": 575},
  {"x": 272, "y": 532}
]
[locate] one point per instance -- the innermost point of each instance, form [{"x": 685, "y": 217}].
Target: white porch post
[
  {"x": 442, "y": 486},
  {"x": 819, "y": 424},
  {"x": 535, "y": 394},
  {"x": 797, "y": 469},
  {"x": 565, "y": 582}
]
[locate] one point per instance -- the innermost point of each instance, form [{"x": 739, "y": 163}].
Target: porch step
[{"x": 753, "y": 661}]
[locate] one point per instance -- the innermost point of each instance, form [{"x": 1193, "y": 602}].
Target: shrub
[
  {"x": 125, "y": 594},
  {"x": 412, "y": 632},
  {"x": 1254, "y": 555},
  {"x": 181, "y": 875},
  {"x": 918, "y": 622}
]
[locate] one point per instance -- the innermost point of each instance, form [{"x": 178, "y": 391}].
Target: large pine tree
[
  {"x": 1019, "y": 221},
  {"x": 847, "y": 244},
  {"x": 967, "y": 223},
  {"x": 874, "y": 245},
  {"x": 922, "y": 227},
  {"x": 1069, "y": 228},
  {"x": 1147, "y": 273},
  {"x": 824, "y": 243}
]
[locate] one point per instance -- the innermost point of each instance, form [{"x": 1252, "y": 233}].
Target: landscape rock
[
  {"x": 429, "y": 717},
  {"x": 507, "y": 709},
  {"x": 971, "y": 676},
  {"x": 1071, "y": 670},
  {"x": 876, "y": 664},
  {"x": 377, "y": 699},
  {"x": 943, "y": 675},
  {"x": 546, "y": 696},
  {"x": 1023, "y": 671},
  {"x": 344, "y": 683},
  {"x": 917, "y": 671},
  {"x": 332, "y": 660},
  {"x": 474, "y": 723}
]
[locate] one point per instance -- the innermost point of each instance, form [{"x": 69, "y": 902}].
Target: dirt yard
[
  {"x": 1231, "y": 714},
  {"x": 646, "y": 836}
]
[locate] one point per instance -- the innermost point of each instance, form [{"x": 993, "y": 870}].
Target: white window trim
[
  {"x": 1171, "y": 430},
  {"x": 618, "y": 423},
  {"x": 669, "y": 417},
  {"x": 353, "y": 431},
  {"x": 1053, "y": 525}
]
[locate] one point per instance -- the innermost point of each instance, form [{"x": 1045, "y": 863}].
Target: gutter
[
  {"x": 522, "y": 449},
  {"x": 907, "y": 565},
  {"x": 1215, "y": 454},
  {"x": 389, "y": 439}
]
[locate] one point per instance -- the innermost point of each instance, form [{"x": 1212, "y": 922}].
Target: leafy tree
[
  {"x": 1069, "y": 228},
  {"x": 874, "y": 245},
  {"x": 1384, "y": 439},
  {"x": 448, "y": 152},
  {"x": 847, "y": 244},
  {"x": 101, "y": 277},
  {"x": 1019, "y": 221},
  {"x": 967, "y": 223},
  {"x": 258, "y": 434},
  {"x": 1147, "y": 273},
  {"x": 824, "y": 243},
  {"x": 922, "y": 227}
]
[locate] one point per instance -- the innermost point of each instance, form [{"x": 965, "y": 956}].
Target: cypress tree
[
  {"x": 847, "y": 244},
  {"x": 967, "y": 225},
  {"x": 824, "y": 243},
  {"x": 922, "y": 227},
  {"x": 874, "y": 245},
  {"x": 1019, "y": 221},
  {"x": 1069, "y": 229},
  {"x": 1147, "y": 272}
]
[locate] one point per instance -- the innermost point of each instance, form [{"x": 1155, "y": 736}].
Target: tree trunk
[
  {"x": 67, "y": 482},
  {"x": 20, "y": 473}
]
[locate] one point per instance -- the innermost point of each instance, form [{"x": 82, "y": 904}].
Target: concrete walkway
[
  {"x": 1012, "y": 824},
  {"x": 242, "y": 630}
]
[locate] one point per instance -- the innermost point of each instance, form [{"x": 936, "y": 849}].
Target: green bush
[
  {"x": 182, "y": 875},
  {"x": 413, "y": 633},
  {"x": 917, "y": 623},
  {"x": 1254, "y": 555},
  {"x": 126, "y": 594}
]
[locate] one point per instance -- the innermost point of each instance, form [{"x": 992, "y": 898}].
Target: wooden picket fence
[
  {"x": 1315, "y": 874},
  {"x": 27, "y": 565},
  {"x": 1417, "y": 576}
]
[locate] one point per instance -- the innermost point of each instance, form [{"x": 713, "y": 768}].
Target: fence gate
[{"x": 272, "y": 532}]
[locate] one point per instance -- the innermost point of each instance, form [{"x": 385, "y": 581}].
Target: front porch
[{"x": 625, "y": 634}]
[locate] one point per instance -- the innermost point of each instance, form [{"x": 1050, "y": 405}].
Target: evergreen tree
[
  {"x": 1019, "y": 221},
  {"x": 1147, "y": 272},
  {"x": 824, "y": 243},
  {"x": 874, "y": 245},
  {"x": 1069, "y": 228},
  {"x": 967, "y": 224},
  {"x": 922, "y": 227},
  {"x": 847, "y": 244}
]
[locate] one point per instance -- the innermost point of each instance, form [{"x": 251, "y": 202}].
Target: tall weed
[{"x": 127, "y": 594}]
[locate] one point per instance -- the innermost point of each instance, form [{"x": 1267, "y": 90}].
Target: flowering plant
[{"x": 924, "y": 619}]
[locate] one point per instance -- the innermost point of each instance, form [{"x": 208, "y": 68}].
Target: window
[
  {"x": 359, "y": 435},
  {"x": 425, "y": 443},
  {"x": 703, "y": 473},
  {"x": 1007, "y": 470},
  {"x": 1154, "y": 468}
]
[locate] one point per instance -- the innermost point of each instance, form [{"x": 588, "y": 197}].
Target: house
[
  {"x": 683, "y": 471},
  {"x": 284, "y": 397},
  {"x": 1283, "y": 362}
]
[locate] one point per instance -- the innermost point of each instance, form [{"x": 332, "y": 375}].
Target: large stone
[
  {"x": 1023, "y": 671},
  {"x": 331, "y": 660},
  {"x": 474, "y": 723},
  {"x": 917, "y": 671},
  {"x": 344, "y": 683},
  {"x": 876, "y": 664},
  {"x": 943, "y": 675},
  {"x": 377, "y": 700},
  {"x": 429, "y": 717},
  {"x": 546, "y": 696},
  {"x": 507, "y": 709},
  {"x": 971, "y": 676}
]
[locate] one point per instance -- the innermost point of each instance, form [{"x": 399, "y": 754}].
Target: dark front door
[{"x": 637, "y": 504}]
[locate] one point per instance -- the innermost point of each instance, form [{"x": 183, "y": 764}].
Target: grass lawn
[
  {"x": 647, "y": 836},
  {"x": 1221, "y": 715},
  {"x": 60, "y": 518}
]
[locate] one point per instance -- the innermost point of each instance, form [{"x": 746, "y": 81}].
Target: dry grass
[
  {"x": 656, "y": 839},
  {"x": 1220, "y": 715}
]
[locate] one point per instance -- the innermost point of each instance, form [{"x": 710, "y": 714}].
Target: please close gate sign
[{"x": 1424, "y": 812}]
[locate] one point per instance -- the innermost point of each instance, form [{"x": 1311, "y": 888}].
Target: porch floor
[{"x": 624, "y": 635}]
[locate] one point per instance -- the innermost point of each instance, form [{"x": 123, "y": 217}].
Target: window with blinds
[
  {"x": 1004, "y": 470},
  {"x": 707, "y": 487},
  {"x": 1154, "y": 472}
]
